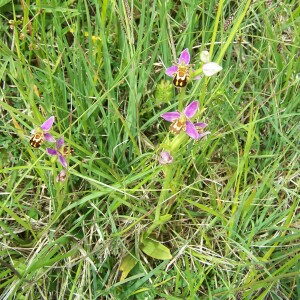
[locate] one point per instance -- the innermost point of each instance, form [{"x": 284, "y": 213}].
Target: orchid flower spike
[
  {"x": 181, "y": 71},
  {"x": 61, "y": 151},
  {"x": 40, "y": 134}
]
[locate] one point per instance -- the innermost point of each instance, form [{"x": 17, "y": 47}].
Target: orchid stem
[
  {"x": 165, "y": 190},
  {"x": 167, "y": 185},
  {"x": 169, "y": 170},
  {"x": 181, "y": 99}
]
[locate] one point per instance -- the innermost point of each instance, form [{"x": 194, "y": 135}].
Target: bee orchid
[
  {"x": 181, "y": 71},
  {"x": 61, "y": 151},
  {"x": 41, "y": 134},
  {"x": 181, "y": 122}
]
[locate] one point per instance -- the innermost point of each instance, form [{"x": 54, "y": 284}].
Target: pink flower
[
  {"x": 181, "y": 71},
  {"x": 181, "y": 122},
  {"x": 61, "y": 151},
  {"x": 62, "y": 175},
  {"x": 200, "y": 126},
  {"x": 40, "y": 134},
  {"x": 165, "y": 158}
]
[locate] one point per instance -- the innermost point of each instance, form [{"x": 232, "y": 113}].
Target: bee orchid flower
[
  {"x": 181, "y": 121},
  {"x": 181, "y": 71},
  {"x": 61, "y": 151},
  {"x": 41, "y": 134}
]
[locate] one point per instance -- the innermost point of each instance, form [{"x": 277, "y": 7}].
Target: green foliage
[
  {"x": 155, "y": 249},
  {"x": 225, "y": 219}
]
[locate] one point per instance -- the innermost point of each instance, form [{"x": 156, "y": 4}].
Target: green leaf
[
  {"x": 13, "y": 215},
  {"x": 155, "y": 249},
  {"x": 33, "y": 213},
  {"x": 248, "y": 202},
  {"x": 4, "y": 2},
  {"x": 164, "y": 219},
  {"x": 127, "y": 264}
]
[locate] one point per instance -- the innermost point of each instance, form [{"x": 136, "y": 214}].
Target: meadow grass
[{"x": 222, "y": 221}]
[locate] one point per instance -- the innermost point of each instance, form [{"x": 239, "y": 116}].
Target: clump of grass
[{"x": 230, "y": 213}]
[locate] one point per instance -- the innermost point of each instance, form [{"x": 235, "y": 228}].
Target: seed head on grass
[{"x": 229, "y": 21}]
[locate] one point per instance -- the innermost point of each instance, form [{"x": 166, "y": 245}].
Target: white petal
[
  {"x": 211, "y": 68},
  {"x": 204, "y": 56}
]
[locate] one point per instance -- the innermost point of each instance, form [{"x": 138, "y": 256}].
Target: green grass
[{"x": 221, "y": 222}]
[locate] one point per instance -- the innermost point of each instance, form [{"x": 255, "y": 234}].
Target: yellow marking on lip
[{"x": 177, "y": 126}]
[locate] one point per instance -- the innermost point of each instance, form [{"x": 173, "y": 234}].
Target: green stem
[
  {"x": 57, "y": 186},
  {"x": 169, "y": 169},
  {"x": 165, "y": 191},
  {"x": 181, "y": 99},
  {"x": 197, "y": 72}
]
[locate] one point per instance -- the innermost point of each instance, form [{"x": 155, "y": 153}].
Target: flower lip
[{"x": 37, "y": 138}]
